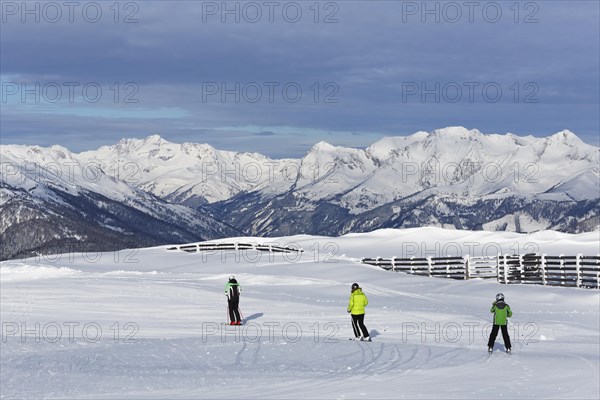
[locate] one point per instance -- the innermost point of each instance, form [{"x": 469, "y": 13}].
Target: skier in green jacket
[
  {"x": 356, "y": 307},
  {"x": 501, "y": 312}
]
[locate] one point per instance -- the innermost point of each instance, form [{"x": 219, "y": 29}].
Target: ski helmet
[
  {"x": 499, "y": 297},
  {"x": 355, "y": 286},
  {"x": 231, "y": 277}
]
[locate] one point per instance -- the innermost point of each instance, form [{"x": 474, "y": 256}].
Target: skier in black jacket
[{"x": 232, "y": 291}]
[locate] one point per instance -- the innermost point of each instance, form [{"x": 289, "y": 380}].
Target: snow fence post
[
  {"x": 598, "y": 271},
  {"x": 543, "y": 269},
  {"x": 429, "y": 264},
  {"x": 578, "y": 269},
  {"x": 521, "y": 268},
  {"x": 562, "y": 269},
  {"x": 467, "y": 266},
  {"x": 412, "y": 271},
  {"x": 505, "y": 270},
  {"x": 498, "y": 267},
  {"x": 394, "y": 263}
]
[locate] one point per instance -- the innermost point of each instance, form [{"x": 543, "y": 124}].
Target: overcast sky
[{"x": 277, "y": 77}]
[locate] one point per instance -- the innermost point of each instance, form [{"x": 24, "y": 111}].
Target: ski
[{"x": 508, "y": 351}]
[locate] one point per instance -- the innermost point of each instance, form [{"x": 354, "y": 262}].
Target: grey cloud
[{"x": 370, "y": 55}]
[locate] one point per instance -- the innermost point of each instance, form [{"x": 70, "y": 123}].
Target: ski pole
[
  {"x": 355, "y": 328},
  {"x": 379, "y": 325}
]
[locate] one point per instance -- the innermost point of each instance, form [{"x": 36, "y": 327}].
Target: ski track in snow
[{"x": 172, "y": 296}]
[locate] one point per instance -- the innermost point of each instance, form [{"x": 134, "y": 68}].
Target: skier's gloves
[{"x": 348, "y": 311}]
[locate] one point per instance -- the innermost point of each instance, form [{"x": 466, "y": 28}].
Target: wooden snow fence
[
  {"x": 563, "y": 270},
  {"x": 207, "y": 246},
  {"x": 576, "y": 271},
  {"x": 447, "y": 267}
]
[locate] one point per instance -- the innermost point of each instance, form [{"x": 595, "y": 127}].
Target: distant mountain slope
[
  {"x": 150, "y": 191},
  {"x": 52, "y": 202},
  {"x": 188, "y": 173},
  {"x": 451, "y": 177},
  {"x": 453, "y": 161}
]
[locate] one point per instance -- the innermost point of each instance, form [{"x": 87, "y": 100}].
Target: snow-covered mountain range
[
  {"x": 51, "y": 200},
  {"x": 452, "y": 161},
  {"x": 452, "y": 177}
]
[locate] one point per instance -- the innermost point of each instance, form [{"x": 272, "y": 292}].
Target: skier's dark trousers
[
  {"x": 232, "y": 291},
  {"x": 501, "y": 312},
  {"x": 356, "y": 306}
]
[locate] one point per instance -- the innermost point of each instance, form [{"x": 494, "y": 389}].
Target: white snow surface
[{"x": 429, "y": 334}]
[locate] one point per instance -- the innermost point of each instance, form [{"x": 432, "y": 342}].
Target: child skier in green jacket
[{"x": 501, "y": 312}]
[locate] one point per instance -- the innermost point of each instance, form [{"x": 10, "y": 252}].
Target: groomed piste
[{"x": 150, "y": 323}]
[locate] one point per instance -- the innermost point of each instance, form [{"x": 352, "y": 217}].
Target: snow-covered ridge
[
  {"x": 181, "y": 172},
  {"x": 395, "y": 182},
  {"x": 52, "y": 199},
  {"x": 437, "y": 242},
  {"x": 453, "y": 160}
]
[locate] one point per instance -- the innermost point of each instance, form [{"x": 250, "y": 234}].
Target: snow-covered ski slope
[{"x": 148, "y": 324}]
